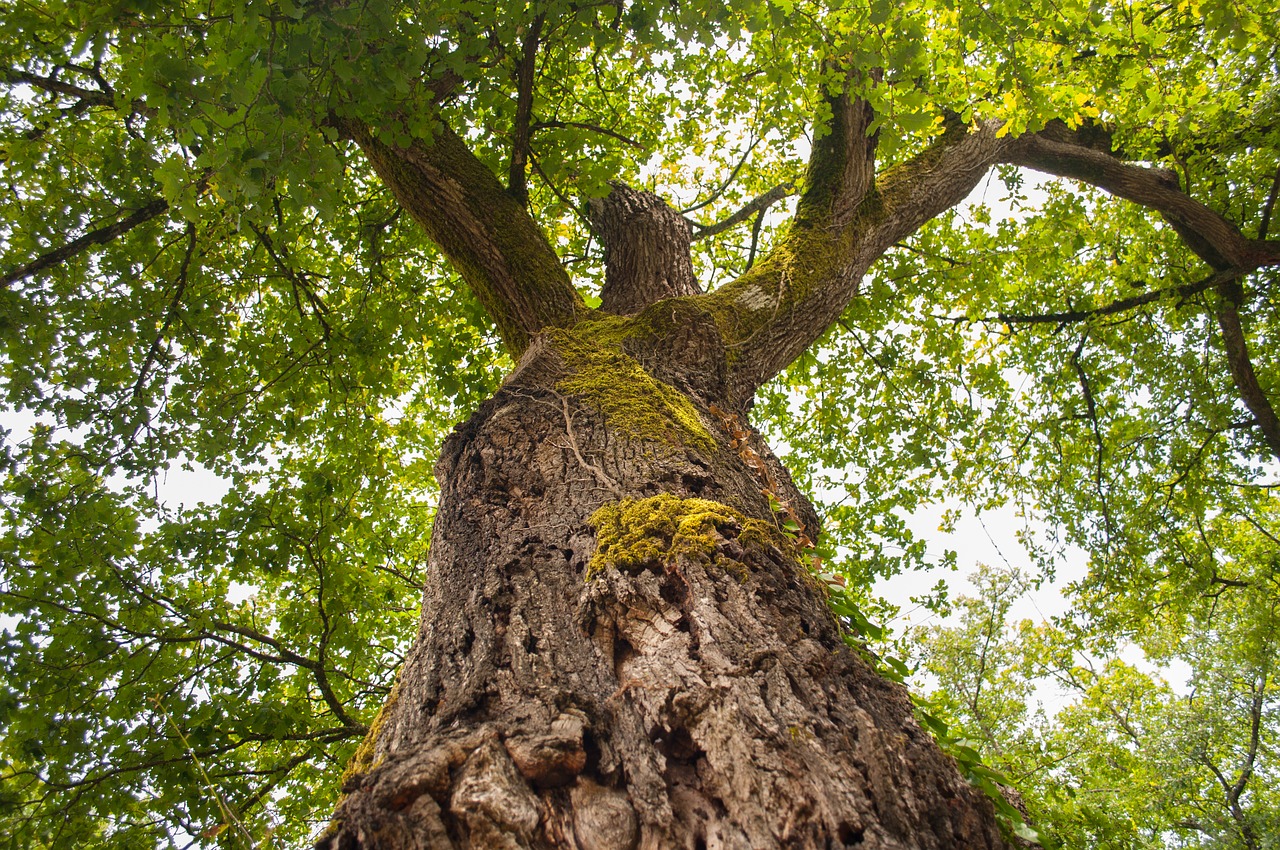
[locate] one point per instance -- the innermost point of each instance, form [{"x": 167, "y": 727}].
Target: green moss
[
  {"x": 630, "y": 399},
  {"x": 362, "y": 761},
  {"x": 634, "y": 533},
  {"x": 805, "y": 258},
  {"x": 758, "y": 532}
]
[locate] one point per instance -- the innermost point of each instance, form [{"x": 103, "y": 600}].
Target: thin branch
[
  {"x": 298, "y": 280},
  {"x": 579, "y": 125},
  {"x": 93, "y": 97},
  {"x": 1122, "y": 305},
  {"x": 1092, "y": 407},
  {"x": 1255, "y": 740},
  {"x": 1268, "y": 206},
  {"x": 517, "y": 176},
  {"x": 100, "y": 236},
  {"x": 320, "y": 671},
  {"x": 171, "y": 312},
  {"x": 755, "y": 240},
  {"x": 284, "y": 654},
  {"x": 759, "y": 204},
  {"x": 1080, "y": 155},
  {"x": 728, "y": 181},
  {"x": 569, "y": 204}
]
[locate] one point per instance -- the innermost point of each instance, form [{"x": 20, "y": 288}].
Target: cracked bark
[
  {"x": 688, "y": 702},
  {"x": 693, "y": 700},
  {"x": 646, "y": 251}
]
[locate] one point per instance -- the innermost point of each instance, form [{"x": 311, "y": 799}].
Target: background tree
[
  {"x": 1119, "y": 758},
  {"x": 292, "y": 244}
]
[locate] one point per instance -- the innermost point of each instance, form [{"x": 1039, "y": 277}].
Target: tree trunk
[{"x": 620, "y": 649}]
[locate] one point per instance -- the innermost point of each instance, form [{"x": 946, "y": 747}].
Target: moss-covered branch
[{"x": 847, "y": 218}]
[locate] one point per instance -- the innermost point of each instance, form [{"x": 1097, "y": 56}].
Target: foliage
[
  {"x": 203, "y": 275},
  {"x": 1125, "y": 758}
]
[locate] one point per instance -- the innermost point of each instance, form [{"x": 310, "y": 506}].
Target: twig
[
  {"x": 229, "y": 816},
  {"x": 579, "y": 125}
]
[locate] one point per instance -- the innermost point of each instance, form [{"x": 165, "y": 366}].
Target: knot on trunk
[{"x": 646, "y": 250}]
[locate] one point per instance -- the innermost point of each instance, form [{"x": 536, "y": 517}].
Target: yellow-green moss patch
[
  {"x": 629, "y": 398},
  {"x": 636, "y": 532},
  {"x": 362, "y": 761}
]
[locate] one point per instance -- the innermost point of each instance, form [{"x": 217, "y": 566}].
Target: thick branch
[
  {"x": 786, "y": 301},
  {"x": 1241, "y": 366},
  {"x": 100, "y": 236},
  {"x": 1066, "y": 153},
  {"x": 842, "y": 166},
  {"x": 487, "y": 234},
  {"x": 646, "y": 250},
  {"x": 91, "y": 97}
]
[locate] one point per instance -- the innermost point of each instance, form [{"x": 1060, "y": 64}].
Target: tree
[
  {"x": 291, "y": 243},
  {"x": 1127, "y": 761}
]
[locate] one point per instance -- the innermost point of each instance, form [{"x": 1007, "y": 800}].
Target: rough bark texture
[
  {"x": 687, "y": 688},
  {"x": 646, "y": 250},
  {"x": 619, "y": 648}
]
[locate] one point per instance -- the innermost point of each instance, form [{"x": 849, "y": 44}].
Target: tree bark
[
  {"x": 619, "y": 648},
  {"x": 646, "y": 250}
]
